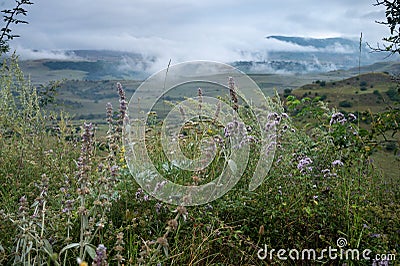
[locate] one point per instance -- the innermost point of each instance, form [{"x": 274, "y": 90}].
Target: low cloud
[
  {"x": 29, "y": 54},
  {"x": 186, "y": 30}
]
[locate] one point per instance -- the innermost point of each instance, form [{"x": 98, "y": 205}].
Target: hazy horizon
[{"x": 191, "y": 30}]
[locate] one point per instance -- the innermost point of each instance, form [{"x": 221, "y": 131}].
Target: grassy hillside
[
  {"x": 366, "y": 92},
  {"x": 86, "y": 99},
  {"x": 365, "y": 95}
]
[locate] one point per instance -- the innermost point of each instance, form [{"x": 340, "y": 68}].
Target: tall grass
[{"x": 67, "y": 196}]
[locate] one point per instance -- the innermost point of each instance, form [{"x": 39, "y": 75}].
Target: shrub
[
  {"x": 393, "y": 94},
  {"x": 363, "y": 83},
  {"x": 287, "y": 91},
  {"x": 345, "y": 104}
]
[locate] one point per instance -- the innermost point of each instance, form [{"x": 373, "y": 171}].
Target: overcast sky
[{"x": 191, "y": 29}]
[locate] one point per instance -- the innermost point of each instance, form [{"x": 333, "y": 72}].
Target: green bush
[
  {"x": 391, "y": 146},
  {"x": 287, "y": 92},
  {"x": 345, "y": 104},
  {"x": 393, "y": 94},
  {"x": 363, "y": 83}
]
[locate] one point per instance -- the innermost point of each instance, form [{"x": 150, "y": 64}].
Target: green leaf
[
  {"x": 91, "y": 250},
  {"x": 69, "y": 246},
  {"x": 47, "y": 247}
]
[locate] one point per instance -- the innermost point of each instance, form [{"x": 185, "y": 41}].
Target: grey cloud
[{"x": 184, "y": 30}]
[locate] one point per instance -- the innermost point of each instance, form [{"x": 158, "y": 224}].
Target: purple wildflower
[
  {"x": 232, "y": 92},
  {"x": 109, "y": 111},
  {"x": 271, "y": 125},
  {"x": 123, "y": 105},
  {"x": 303, "y": 163},
  {"x": 146, "y": 197},
  {"x": 160, "y": 185},
  {"x": 337, "y": 118},
  {"x": 325, "y": 171},
  {"x": 158, "y": 207},
  {"x": 375, "y": 235},
  {"x": 101, "y": 256},
  {"x": 114, "y": 170},
  {"x": 352, "y": 117},
  {"x": 138, "y": 193},
  {"x": 337, "y": 163}
]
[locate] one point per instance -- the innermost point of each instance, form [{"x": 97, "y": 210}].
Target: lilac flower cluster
[
  {"x": 337, "y": 163},
  {"x": 380, "y": 262},
  {"x": 232, "y": 92},
  {"x": 200, "y": 97},
  {"x": 84, "y": 161},
  {"x": 23, "y": 206},
  {"x": 339, "y": 118},
  {"x": 140, "y": 195},
  {"x": 109, "y": 112},
  {"x": 158, "y": 207},
  {"x": 234, "y": 128},
  {"x": 274, "y": 119},
  {"x": 101, "y": 256},
  {"x": 303, "y": 165},
  {"x": 238, "y": 131},
  {"x": 326, "y": 173},
  {"x": 68, "y": 206},
  {"x": 352, "y": 117},
  {"x": 123, "y": 106}
]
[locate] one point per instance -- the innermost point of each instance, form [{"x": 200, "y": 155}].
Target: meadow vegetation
[{"x": 67, "y": 196}]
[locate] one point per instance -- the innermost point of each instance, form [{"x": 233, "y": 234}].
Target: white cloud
[
  {"x": 29, "y": 54},
  {"x": 191, "y": 29}
]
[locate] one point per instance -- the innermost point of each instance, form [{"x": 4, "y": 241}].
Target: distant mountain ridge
[
  {"x": 317, "y": 43},
  {"x": 312, "y": 55},
  {"x": 309, "y": 55}
]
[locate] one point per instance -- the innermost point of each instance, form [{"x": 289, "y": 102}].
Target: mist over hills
[
  {"x": 310, "y": 55},
  {"x": 283, "y": 55},
  {"x": 318, "y": 43}
]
